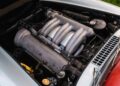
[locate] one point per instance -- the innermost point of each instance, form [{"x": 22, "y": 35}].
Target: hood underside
[
  {"x": 92, "y": 4},
  {"x": 8, "y": 5}
]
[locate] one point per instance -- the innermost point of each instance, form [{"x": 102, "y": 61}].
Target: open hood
[
  {"x": 9, "y": 5},
  {"x": 93, "y": 4}
]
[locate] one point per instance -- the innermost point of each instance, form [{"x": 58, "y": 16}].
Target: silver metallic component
[
  {"x": 53, "y": 32},
  {"x": 79, "y": 50},
  {"x": 49, "y": 42},
  {"x": 45, "y": 55},
  {"x": 98, "y": 24},
  {"x": 51, "y": 27},
  {"x": 77, "y": 43},
  {"x": 66, "y": 34},
  {"x": 72, "y": 22},
  {"x": 45, "y": 39},
  {"x": 67, "y": 38},
  {"x": 57, "y": 37},
  {"x": 94, "y": 4},
  {"x": 73, "y": 40},
  {"x": 61, "y": 74},
  {"x": 47, "y": 25},
  {"x": 63, "y": 34},
  {"x": 39, "y": 51}
]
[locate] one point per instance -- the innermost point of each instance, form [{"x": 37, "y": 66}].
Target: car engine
[
  {"x": 55, "y": 46},
  {"x": 64, "y": 35}
]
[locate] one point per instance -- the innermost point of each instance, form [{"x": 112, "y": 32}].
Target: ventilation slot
[{"x": 104, "y": 53}]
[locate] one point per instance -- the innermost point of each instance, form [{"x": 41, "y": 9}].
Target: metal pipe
[
  {"x": 67, "y": 39},
  {"x": 47, "y": 25},
  {"x": 73, "y": 40},
  {"x": 63, "y": 34},
  {"x": 52, "y": 33},
  {"x": 72, "y": 22},
  {"x": 59, "y": 32},
  {"x": 77, "y": 43},
  {"x": 51, "y": 27}
]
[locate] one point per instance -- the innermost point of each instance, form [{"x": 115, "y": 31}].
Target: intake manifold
[{"x": 64, "y": 33}]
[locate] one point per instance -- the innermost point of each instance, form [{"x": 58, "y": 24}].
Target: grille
[{"x": 106, "y": 51}]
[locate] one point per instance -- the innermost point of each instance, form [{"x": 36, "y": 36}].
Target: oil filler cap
[{"x": 46, "y": 82}]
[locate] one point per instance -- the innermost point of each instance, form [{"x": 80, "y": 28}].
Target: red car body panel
[{"x": 114, "y": 77}]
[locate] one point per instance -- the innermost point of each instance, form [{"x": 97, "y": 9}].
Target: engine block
[{"x": 64, "y": 35}]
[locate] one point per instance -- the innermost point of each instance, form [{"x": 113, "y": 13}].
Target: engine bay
[{"x": 54, "y": 46}]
